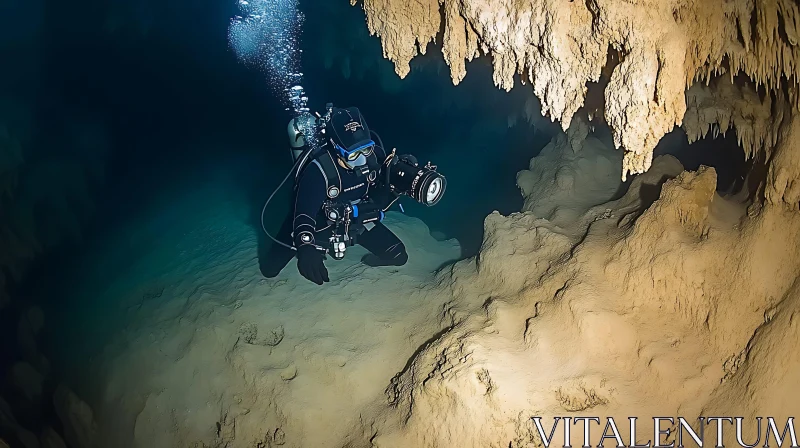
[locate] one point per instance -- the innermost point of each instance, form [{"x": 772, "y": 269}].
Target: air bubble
[{"x": 266, "y": 35}]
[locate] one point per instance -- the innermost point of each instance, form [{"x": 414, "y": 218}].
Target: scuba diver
[{"x": 345, "y": 182}]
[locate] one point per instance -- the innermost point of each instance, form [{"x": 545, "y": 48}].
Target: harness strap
[
  {"x": 333, "y": 181},
  {"x": 326, "y": 164}
]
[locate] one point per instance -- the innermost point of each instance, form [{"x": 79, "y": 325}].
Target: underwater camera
[{"x": 424, "y": 184}]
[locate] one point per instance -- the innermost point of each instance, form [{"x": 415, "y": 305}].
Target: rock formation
[
  {"x": 671, "y": 284},
  {"x": 76, "y": 416},
  {"x": 34, "y": 183},
  {"x": 559, "y": 46},
  {"x": 570, "y": 159}
]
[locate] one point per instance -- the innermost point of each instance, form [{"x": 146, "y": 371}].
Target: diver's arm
[
  {"x": 308, "y": 202},
  {"x": 382, "y": 195}
]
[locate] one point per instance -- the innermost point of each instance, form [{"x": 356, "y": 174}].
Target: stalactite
[
  {"x": 560, "y": 46},
  {"x": 725, "y": 106}
]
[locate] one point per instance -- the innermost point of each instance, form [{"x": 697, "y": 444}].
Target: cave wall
[
  {"x": 53, "y": 154},
  {"x": 52, "y": 151}
]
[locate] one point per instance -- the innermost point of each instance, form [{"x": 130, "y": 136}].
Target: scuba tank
[
  {"x": 296, "y": 130},
  {"x": 305, "y": 131},
  {"x": 304, "y": 139}
]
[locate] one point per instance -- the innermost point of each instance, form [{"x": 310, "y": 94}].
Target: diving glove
[{"x": 310, "y": 263}]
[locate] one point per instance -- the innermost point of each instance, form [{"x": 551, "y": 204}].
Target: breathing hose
[{"x": 299, "y": 162}]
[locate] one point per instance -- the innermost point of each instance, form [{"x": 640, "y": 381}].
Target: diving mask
[{"x": 353, "y": 154}]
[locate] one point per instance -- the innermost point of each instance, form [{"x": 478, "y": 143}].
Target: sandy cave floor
[
  {"x": 669, "y": 300},
  {"x": 197, "y": 347}
]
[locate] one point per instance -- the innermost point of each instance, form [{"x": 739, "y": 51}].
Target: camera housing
[{"x": 424, "y": 184}]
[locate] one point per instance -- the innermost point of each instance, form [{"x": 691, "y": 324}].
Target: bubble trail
[{"x": 266, "y": 34}]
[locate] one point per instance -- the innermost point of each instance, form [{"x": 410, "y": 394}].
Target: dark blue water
[{"x": 177, "y": 99}]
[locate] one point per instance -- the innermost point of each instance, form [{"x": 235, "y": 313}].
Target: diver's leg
[
  {"x": 273, "y": 257},
  {"x": 386, "y": 247}
]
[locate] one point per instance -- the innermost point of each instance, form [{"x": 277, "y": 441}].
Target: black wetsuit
[{"x": 385, "y": 246}]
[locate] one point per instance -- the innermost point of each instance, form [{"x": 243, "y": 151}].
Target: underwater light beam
[{"x": 267, "y": 35}]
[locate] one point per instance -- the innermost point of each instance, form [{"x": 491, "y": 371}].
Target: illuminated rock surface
[{"x": 559, "y": 46}]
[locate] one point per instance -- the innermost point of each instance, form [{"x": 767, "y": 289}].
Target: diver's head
[{"x": 349, "y": 136}]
